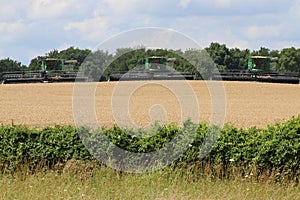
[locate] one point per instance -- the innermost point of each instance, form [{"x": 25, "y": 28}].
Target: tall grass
[{"x": 84, "y": 181}]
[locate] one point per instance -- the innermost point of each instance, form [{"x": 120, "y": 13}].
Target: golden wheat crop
[{"x": 247, "y": 103}]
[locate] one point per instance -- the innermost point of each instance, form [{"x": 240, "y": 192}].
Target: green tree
[
  {"x": 118, "y": 62},
  {"x": 239, "y": 59},
  {"x": 8, "y": 65},
  {"x": 136, "y": 59},
  {"x": 71, "y": 53},
  {"x": 35, "y": 63},
  {"x": 219, "y": 54},
  {"x": 203, "y": 65},
  {"x": 74, "y": 54},
  {"x": 274, "y": 53},
  {"x": 263, "y": 51},
  {"x": 289, "y": 60},
  {"x": 228, "y": 59},
  {"x": 53, "y": 54},
  {"x": 95, "y": 65}
]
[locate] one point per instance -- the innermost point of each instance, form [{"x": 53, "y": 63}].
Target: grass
[{"x": 105, "y": 183}]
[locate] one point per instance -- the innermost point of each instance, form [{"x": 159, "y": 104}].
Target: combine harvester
[
  {"x": 259, "y": 69},
  {"x": 154, "y": 68},
  {"x": 51, "y": 70}
]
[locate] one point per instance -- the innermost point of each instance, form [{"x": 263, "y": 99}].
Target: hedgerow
[{"x": 275, "y": 148}]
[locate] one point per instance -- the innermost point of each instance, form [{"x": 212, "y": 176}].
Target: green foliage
[
  {"x": 202, "y": 64},
  {"x": 289, "y": 60},
  {"x": 199, "y": 62},
  {"x": 10, "y": 65},
  {"x": 228, "y": 59},
  {"x": 263, "y": 51},
  {"x": 239, "y": 59},
  {"x": 219, "y": 53},
  {"x": 95, "y": 64},
  {"x": 125, "y": 59},
  {"x": 70, "y": 53},
  {"x": 51, "y": 145},
  {"x": 275, "y": 148}
]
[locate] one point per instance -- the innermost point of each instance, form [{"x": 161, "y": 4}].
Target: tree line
[{"x": 191, "y": 60}]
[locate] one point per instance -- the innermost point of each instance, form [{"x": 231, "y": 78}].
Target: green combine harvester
[
  {"x": 51, "y": 70},
  {"x": 259, "y": 69},
  {"x": 154, "y": 68}
]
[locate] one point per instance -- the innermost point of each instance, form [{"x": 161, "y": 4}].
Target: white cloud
[
  {"x": 7, "y": 12},
  {"x": 223, "y": 3},
  {"x": 184, "y": 3},
  {"x": 122, "y": 6},
  {"x": 46, "y": 9},
  {"x": 266, "y": 31},
  {"x": 39, "y": 25},
  {"x": 226, "y": 36},
  {"x": 11, "y": 31},
  {"x": 294, "y": 10},
  {"x": 89, "y": 29},
  {"x": 13, "y": 10},
  {"x": 57, "y": 9}
]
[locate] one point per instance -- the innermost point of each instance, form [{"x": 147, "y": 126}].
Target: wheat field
[{"x": 246, "y": 103}]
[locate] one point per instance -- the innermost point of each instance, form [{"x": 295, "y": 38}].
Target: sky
[{"x": 30, "y": 28}]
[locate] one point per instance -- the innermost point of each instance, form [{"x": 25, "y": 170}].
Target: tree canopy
[
  {"x": 8, "y": 64},
  {"x": 70, "y": 53},
  {"x": 197, "y": 61}
]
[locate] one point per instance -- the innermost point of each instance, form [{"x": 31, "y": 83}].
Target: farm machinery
[
  {"x": 154, "y": 68},
  {"x": 259, "y": 69},
  {"x": 50, "y": 70}
]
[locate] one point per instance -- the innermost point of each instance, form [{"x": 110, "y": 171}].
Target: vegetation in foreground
[
  {"x": 244, "y": 164},
  {"x": 83, "y": 182},
  {"x": 275, "y": 148}
]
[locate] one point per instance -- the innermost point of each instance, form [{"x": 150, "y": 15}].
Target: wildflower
[{"x": 231, "y": 160}]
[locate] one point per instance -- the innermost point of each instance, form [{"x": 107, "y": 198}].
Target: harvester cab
[
  {"x": 261, "y": 63},
  {"x": 52, "y": 64},
  {"x": 55, "y": 70},
  {"x": 156, "y": 63}
]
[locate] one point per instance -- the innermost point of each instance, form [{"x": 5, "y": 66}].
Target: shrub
[{"x": 276, "y": 147}]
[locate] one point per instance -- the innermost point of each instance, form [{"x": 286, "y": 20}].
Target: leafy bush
[
  {"x": 51, "y": 145},
  {"x": 276, "y": 147}
]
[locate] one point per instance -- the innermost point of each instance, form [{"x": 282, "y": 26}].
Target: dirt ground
[{"x": 243, "y": 104}]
